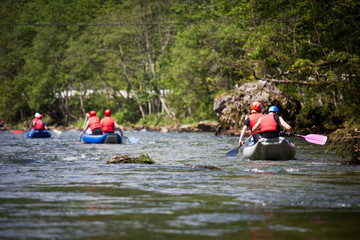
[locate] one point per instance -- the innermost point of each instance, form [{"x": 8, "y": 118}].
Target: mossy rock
[
  {"x": 346, "y": 144},
  {"x": 142, "y": 159}
]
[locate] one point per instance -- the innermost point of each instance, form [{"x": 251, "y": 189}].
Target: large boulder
[{"x": 232, "y": 109}]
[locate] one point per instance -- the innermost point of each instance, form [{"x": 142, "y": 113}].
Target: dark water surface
[{"x": 58, "y": 189}]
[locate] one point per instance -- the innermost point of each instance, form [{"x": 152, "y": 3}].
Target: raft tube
[
  {"x": 105, "y": 138},
  {"x": 38, "y": 134},
  {"x": 270, "y": 149}
]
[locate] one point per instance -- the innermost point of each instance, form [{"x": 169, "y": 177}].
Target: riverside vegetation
[{"x": 157, "y": 63}]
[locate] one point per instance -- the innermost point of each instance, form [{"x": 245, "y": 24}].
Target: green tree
[
  {"x": 56, "y": 25},
  {"x": 13, "y": 100},
  {"x": 308, "y": 48}
]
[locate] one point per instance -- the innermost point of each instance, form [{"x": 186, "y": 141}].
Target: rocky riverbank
[
  {"x": 232, "y": 108},
  {"x": 346, "y": 144}
]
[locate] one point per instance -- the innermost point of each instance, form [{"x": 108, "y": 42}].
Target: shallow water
[{"x": 58, "y": 189}]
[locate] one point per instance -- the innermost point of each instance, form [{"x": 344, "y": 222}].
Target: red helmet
[
  {"x": 108, "y": 112},
  {"x": 256, "y": 106},
  {"x": 92, "y": 113}
]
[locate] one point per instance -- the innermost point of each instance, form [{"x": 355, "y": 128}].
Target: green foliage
[
  {"x": 105, "y": 50},
  {"x": 129, "y": 114},
  {"x": 198, "y": 62},
  {"x": 157, "y": 120}
]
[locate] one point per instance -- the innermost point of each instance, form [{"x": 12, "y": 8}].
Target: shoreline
[
  {"x": 203, "y": 126},
  {"x": 196, "y": 127}
]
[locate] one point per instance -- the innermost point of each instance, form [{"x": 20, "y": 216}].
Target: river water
[{"x": 59, "y": 189}]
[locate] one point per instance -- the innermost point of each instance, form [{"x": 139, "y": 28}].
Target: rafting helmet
[
  {"x": 108, "y": 112},
  {"x": 92, "y": 113},
  {"x": 40, "y": 116},
  {"x": 256, "y": 106},
  {"x": 37, "y": 115},
  {"x": 274, "y": 109}
]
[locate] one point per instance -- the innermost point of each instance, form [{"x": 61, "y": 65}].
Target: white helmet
[{"x": 37, "y": 115}]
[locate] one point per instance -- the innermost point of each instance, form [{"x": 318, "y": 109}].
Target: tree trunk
[
  {"x": 169, "y": 112},
  {"x": 129, "y": 81},
  {"x": 82, "y": 101},
  {"x": 66, "y": 107}
]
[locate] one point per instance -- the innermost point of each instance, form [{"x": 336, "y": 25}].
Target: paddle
[
  {"x": 83, "y": 128},
  {"x": 80, "y": 138},
  {"x": 234, "y": 152},
  {"x": 132, "y": 139},
  {"x": 56, "y": 131},
  {"x": 314, "y": 138},
  {"x": 18, "y": 131},
  {"x": 85, "y": 121}
]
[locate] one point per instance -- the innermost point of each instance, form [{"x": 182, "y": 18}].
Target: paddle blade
[
  {"x": 56, "y": 131},
  {"x": 316, "y": 139},
  {"x": 18, "y": 131},
  {"x": 132, "y": 139},
  {"x": 233, "y": 153}
]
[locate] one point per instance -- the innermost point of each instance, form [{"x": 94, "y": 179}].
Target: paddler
[
  {"x": 251, "y": 120},
  {"x": 40, "y": 124},
  {"x": 108, "y": 124},
  {"x": 94, "y": 123},
  {"x": 33, "y": 122},
  {"x": 269, "y": 124}
]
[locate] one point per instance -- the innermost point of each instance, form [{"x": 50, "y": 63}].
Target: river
[{"x": 58, "y": 188}]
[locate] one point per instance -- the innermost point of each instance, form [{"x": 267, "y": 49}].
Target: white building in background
[{"x": 123, "y": 93}]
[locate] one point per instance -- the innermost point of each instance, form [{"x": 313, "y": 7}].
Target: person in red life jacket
[
  {"x": 33, "y": 122},
  {"x": 270, "y": 124},
  {"x": 251, "y": 120},
  {"x": 40, "y": 124},
  {"x": 108, "y": 124},
  {"x": 93, "y": 123}
]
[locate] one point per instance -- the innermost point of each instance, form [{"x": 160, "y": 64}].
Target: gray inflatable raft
[{"x": 270, "y": 149}]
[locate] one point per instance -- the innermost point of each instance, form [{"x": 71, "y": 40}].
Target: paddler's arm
[
  {"x": 85, "y": 128},
  {"x": 45, "y": 126},
  {"x": 242, "y": 135},
  {"x": 286, "y": 126},
  {"x": 119, "y": 128}
]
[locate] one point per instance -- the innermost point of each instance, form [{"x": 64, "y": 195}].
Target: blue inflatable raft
[
  {"x": 105, "y": 138},
  {"x": 38, "y": 134}
]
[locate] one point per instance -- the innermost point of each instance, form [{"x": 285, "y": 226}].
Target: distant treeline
[{"x": 195, "y": 49}]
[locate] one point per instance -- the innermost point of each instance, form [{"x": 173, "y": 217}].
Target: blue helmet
[{"x": 274, "y": 109}]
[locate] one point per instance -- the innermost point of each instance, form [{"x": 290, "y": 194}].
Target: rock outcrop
[{"x": 232, "y": 109}]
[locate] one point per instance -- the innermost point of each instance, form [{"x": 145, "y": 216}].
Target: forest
[{"x": 163, "y": 61}]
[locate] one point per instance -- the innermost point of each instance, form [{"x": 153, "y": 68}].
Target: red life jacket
[
  {"x": 107, "y": 124},
  {"x": 94, "y": 122},
  {"x": 39, "y": 125},
  {"x": 268, "y": 123},
  {"x": 254, "y": 117},
  {"x": 33, "y": 122}
]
